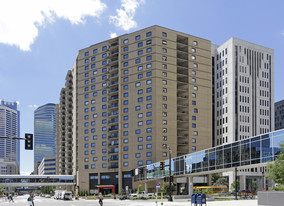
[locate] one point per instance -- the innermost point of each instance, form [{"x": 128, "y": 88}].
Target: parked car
[
  {"x": 124, "y": 197},
  {"x": 47, "y": 196}
]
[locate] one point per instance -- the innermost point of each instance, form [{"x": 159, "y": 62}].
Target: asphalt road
[{"x": 42, "y": 201}]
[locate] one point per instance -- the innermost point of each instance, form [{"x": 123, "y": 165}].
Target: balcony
[
  {"x": 113, "y": 61},
  {"x": 113, "y": 76},
  {"x": 182, "y": 119},
  {"x": 113, "y": 129},
  {"x": 113, "y": 166},
  {"x": 113, "y": 151},
  {"x": 183, "y": 143},
  {"x": 114, "y": 113},
  {"x": 113, "y": 98},
  {"x": 182, "y": 112},
  {"x": 113, "y": 106},
  {"x": 113, "y": 91},
  {"x": 113, "y": 84},
  {"x": 113, "y": 121},
  {"x": 182, "y": 96},
  {"x": 113, "y": 136},
  {"x": 113, "y": 143},
  {"x": 183, "y": 128},
  {"x": 182, "y": 135},
  {"x": 113, "y": 158},
  {"x": 113, "y": 69}
]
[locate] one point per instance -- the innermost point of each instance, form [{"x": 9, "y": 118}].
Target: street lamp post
[{"x": 170, "y": 186}]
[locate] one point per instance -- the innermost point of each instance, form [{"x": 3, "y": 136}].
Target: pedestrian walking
[
  {"x": 11, "y": 198},
  {"x": 101, "y": 199},
  {"x": 31, "y": 200}
]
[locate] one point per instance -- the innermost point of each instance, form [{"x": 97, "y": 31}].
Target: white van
[
  {"x": 66, "y": 195},
  {"x": 57, "y": 194}
]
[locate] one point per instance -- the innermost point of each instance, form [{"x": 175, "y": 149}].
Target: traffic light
[
  {"x": 132, "y": 173},
  {"x": 171, "y": 178},
  {"x": 29, "y": 141},
  {"x": 162, "y": 165},
  {"x": 140, "y": 171}
]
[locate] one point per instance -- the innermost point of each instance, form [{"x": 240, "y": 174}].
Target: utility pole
[
  {"x": 170, "y": 186},
  {"x": 236, "y": 185}
]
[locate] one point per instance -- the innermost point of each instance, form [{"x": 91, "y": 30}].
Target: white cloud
[
  {"x": 283, "y": 33},
  {"x": 32, "y": 106},
  {"x": 19, "y": 20},
  {"x": 125, "y": 15},
  {"x": 112, "y": 35}
]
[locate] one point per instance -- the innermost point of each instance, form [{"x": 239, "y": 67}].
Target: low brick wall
[{"x": 271, "y": 198}]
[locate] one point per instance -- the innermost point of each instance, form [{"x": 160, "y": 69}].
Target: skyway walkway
[
  {"x": 251, "y": 152},
  {"x": 35, "y": 180}
]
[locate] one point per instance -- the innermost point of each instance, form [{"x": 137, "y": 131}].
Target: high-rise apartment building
[
  {"x": 244, "y": 90},
  {"x": 44, "y": 133},
  {"x": 243, "y": 97},
  {"x": 134, "y": 96},
  {"x": 9, "y": 127},
  {"x": 279, "y": 115},
  {"x": 66, "y": 142}
]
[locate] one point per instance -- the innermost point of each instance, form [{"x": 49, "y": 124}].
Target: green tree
[
  {"x": 215, "y": 177},
  {"x": 233, "y": 185},
  {"x": 222, "y": 181},
  {"x": 164, "y": 188},
  {"x": 139, "y": 189},
  {"x": 275, "y": 170}
]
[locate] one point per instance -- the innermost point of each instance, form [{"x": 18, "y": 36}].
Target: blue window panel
[
  {"x": 93, "y": 66},
  {"x": 125, "y": 110},
  {"x": 104, "y": 62},
  {"x": 149, "y": 146},
  {"x": 125, "y": 87},
  {"x": 137, "y": 131},
  {"x": 149, "y": 58},
  {"x": 149, "y": 130},
  {"x": 140, "y": 52},
  {"x": 137, "y": 61},
  {"x": 137, "y": 37},
  {"x": 104, "y": 48},
  {"x": 149, "y": 89},
  {"x": 125, "y": 48},
  {"x": 86, "y": 67},
  {"x": 125, "y": 133},
  {"x": 140, "y": 99},
  {"x": 125, "y": 56},
  {"x": 140, "y": 44},
  {"x": 95, "y": 51},
  {"x": 149, "y": 97},
  {"x": 93, "y": 59},
  {"x": 148, "y": 34},
  {"x": 86, "y": 53},
  {"x": 149, "y": 138},
  {"x": 125, "y": 64}
]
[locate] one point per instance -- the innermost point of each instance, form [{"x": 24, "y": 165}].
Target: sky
[{"x": 39, "y": 39}]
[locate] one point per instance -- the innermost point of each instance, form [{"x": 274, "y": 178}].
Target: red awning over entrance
[{"x": 112, "y": 187}]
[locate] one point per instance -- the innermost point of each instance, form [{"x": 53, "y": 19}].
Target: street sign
[{"x": 158, "y": 185}]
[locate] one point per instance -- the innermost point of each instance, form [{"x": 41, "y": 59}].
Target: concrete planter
[{"x": 271, "y": 198}]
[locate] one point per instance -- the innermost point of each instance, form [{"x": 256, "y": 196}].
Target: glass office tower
[{"x": 44, "y": 133}]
